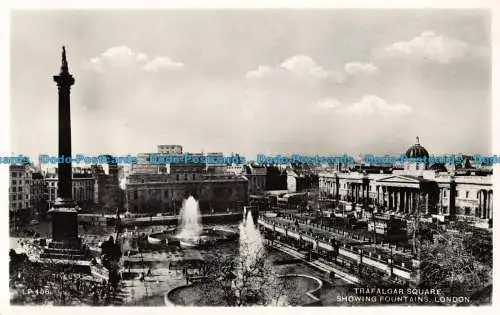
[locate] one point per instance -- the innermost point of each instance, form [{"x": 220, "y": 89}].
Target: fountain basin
[
  {"x": 155, "y": 240},
  {"x": 160, "y": 237},
  {"x": 207, "y": 237},
  {"x": 299, "y": 290}
]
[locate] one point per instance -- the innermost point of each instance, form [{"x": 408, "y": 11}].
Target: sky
[{"x": 324, "y": 82}]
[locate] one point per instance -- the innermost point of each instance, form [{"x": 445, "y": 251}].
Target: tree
[
  {"x": 110, "y": 255},
  {"x": 32, "y": 282},
  {"x": 235, "y": 280},
  {"x": 50, "y": 282},
  {"x": 451, "y": 263}
]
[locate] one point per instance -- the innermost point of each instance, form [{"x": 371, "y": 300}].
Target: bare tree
[
  {"x": 51, "y": 281},
  {"x": 236, "y": 281},
  {"x": 452, "y": 263},
  {"x": 33, "y": 282}
]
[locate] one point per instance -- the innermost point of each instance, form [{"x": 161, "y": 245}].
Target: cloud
[
  {"x": 124, "y": 57},
  {"x": 160, "y": 63},
  {"x": 260, "y": 72},
  {"x": 305, "y": 66},
  {"x": 329, "y": 103},
  {"x": 431, "y": 46},
  {"x": 299, "y": 66},
  {"x": 369, "y": 105},
  {"x": 356, "y": 68}
]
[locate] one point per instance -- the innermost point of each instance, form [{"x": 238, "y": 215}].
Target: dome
[{"x": 417, "y": 151}]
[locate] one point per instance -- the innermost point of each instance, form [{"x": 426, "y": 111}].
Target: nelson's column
[{"x": 65, "y": 241}]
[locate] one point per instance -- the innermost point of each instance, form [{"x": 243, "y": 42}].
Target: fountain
[
  {"x": 251, "y": 244},
  {"x": 253, "y": 280},
  {"x": 190, "y": 222},
  {"x": 190, "y": 233}
]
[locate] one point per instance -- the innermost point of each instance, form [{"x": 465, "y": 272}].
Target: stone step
[
  {"x": 62, "y": 250},
  {"x": 62, "y": 256}
]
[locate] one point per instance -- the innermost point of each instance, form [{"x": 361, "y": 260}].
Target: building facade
[
  {"x": 143, "y": 166},
  {"x": 170, "y": 149},
  {"x": 164, "y": 193},
  {"x": 418, "y": 187},
  {"x": 83, "y": 184},
  {"x": 256, "y": 176},
  {"x": 20, "y": 181},
  {"x": 38, "y": 194}
]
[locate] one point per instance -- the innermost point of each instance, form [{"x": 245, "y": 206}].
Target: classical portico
[
  {"x": 485, "y": 204},
  {"x": 401, "y": 193},
  {"x": 358, "y": 191},
  {"x": 435, "y": 191}
]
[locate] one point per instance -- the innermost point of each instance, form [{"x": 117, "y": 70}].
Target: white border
[
  {"x": 234, "y": 4},
  {"x": 246, "y": 4}
]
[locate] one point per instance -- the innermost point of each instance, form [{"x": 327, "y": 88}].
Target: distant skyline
[{"x": 324, "y": 82}]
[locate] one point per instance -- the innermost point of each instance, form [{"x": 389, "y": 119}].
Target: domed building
[
  {"x": 433, "y": 190},
  {"x": 417, "y": 158}
]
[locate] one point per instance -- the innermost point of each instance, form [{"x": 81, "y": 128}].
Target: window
[
  {"x": 194, "y": 176},
  {"x": 135, "y": 194},
  {"x": 177, "y": 177},
  {"x": 165, "y": 193},
  {"x": 467, "y": 210},
  {"x": 185, "y": 176},
  {"x": 466, "y": 194},
  {"x": 14, "y": 189},
  {"x": 444, "y": 193},
  {"x": 14, "y": 182}
]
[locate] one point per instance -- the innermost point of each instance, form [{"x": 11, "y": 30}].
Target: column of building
[
  {"x": 440, "y": 201},
  {"x": 483, "y": 204},
  {"x": 427, "y": 203},
  {"x": 389, "y": 198},
  {"x": 490, "y": 214},
  {"x": 396, "y": 199},
  {"x": 384, "y": 195},
  {"x": 402, "y": 201}
]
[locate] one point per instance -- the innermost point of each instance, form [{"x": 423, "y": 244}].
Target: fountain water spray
[
  {"x": 253, "y": 270},
  {"x": 251, "y": 244},
  {"x": 190, "y": 220}
]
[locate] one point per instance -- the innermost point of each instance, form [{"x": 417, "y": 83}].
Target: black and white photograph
[{"x": 250, "y": 157}]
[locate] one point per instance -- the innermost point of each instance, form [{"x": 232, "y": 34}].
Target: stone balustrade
[{"x": 376, "y": 260}]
